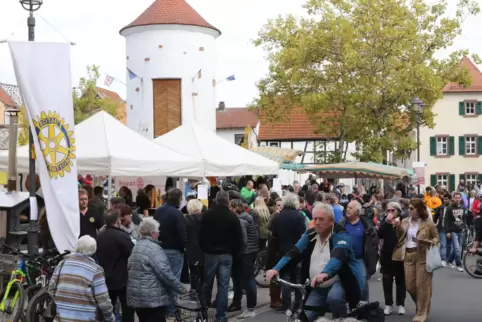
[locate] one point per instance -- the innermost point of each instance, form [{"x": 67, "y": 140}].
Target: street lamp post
[
  {"x": 419, "y": 105},
  {"x": 31, "y": 6}
]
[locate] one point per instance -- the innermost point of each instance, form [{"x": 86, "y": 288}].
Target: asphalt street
[{"x": 456, "y": 297}]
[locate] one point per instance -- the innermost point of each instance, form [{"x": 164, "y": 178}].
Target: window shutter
[
  {"x": 433, "y": 146},
  {"x": 479, "y": 108},
  {"x": 479, "y": 145},
  {"x": 479, "y": 177},
  {"x": 461, "y": 145},
  {"x": 462, "y": 176},
  {"x": 433, "y": 180},
  {"x": 461, "y": 108},
  {"x": 451, "y": 182},
  {"x": 451, "y": 145}
]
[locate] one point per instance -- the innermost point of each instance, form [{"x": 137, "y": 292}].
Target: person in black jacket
[
  {"x": 243, "y": 266},
  {"x": 114, "y": 247},
  {"x": 221, "y": 239},
  {"x": 391, "y": 269},
  {"x": 194, "y": 254},
  {"x": 440, "y": 219},
  {"x": 172, "y": 235},
  {"x": 287, "y": 227},
  {"x": 455, "y": 224}
]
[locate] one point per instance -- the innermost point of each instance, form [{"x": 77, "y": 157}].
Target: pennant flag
[
  {"x": 198, "y": 75},
  {"x": 43, "y": 73},
  {"x": 108, "y": 80},
  {"x": 231, "y": 78},
  {"x": 131, "y": 74}
]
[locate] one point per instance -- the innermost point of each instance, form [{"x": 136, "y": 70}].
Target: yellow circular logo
[
  {"x": 91, "y": 219},
  {"x": 56, "y": 143}
]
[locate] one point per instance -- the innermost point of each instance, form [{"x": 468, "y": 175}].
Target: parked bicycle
[
  {"x": 23, "y": 285},
  {"x": 472, "y": 262}
]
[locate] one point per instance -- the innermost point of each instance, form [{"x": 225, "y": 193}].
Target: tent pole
[{"x": 109, "y": 190}]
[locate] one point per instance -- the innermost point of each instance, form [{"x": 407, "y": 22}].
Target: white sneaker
[
  {"x": 444, "y": 264},
  {"x": 247, "y": 314},
  {"x": 401, "y": 310},
  {"x": 388, "y": 310},
  {"x": 452, "y": 266},
  {"x": 460, "y": 269}
]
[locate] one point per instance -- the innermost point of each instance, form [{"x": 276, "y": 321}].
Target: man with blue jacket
[{"x": 329, "y": 262}]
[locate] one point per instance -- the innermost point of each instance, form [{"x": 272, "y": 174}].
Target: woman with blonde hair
[
  {"x": 261, "y": 214},
  {"x": 416, "y": 234}
]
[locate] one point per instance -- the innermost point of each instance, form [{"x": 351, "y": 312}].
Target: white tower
[{"x": 171, "y": 69}]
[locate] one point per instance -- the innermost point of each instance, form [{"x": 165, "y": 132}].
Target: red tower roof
[{"x": 170, "y": 12}]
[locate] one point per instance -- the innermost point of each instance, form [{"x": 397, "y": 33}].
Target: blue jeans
[
  {"x": 330, "y": 299},
  {"x": 454, "y": 249},
  {"x": 365, "y": 292},
  {"x": 176, "y": 261},
  {"x": 218, "y": 266},
  {"x": 443, "y": 243},
  {"x": 290, "y": 274}
]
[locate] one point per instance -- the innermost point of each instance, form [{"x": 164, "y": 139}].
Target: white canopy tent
[
  {"x": 220, "y": 157},
  {"x": 105, "y": 146}
]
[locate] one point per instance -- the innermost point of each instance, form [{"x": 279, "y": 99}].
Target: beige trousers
[{"x": 419, "y": 285}]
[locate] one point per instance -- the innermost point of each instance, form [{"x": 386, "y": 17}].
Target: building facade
[
  {"x": 298, "y": 133},
  {"x": 231, "y": 124},
  {"x": 452, "y": 150},
  {"x": 171, "y": 59}
]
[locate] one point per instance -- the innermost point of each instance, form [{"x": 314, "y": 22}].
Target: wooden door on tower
[{"x": 167, "y": 105}]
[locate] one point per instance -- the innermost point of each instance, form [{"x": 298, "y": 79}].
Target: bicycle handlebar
[
  {"x": 16, "y": 251},
  {"x": 295, "y": 286}
]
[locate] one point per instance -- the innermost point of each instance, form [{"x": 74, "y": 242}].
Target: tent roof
[
  {"x": 220, "y": 157},
  {"x": 106, "y": 146}
]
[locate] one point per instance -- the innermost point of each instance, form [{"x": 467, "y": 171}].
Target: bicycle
[
  {"x": 190, "y": 307},
  {"x": 468, "y": 256},
  {"x": 296, "y": 312}
]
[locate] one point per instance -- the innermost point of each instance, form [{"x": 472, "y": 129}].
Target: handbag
[
  {"x": 369, "y": 312},
  {"x": 434, "y": 261}
]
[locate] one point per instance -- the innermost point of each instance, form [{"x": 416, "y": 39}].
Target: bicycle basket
[{"x": 8, "y": 263}]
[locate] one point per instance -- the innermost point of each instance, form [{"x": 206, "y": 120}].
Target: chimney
[
  {"x": 221, "y": 106},
  {"x": 12, "y": 150}
]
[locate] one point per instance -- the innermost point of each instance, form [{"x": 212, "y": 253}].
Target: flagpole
[{"x": 31, "y": 6}]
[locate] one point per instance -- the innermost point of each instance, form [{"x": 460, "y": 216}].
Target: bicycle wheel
[
  {"x": 472, "y": 264},
  {"x": 41, "y": 307},
  {"x": 31, "y": 291},
  {"x": 13, "y": 304},
  {"x": 259, "y": 269}
]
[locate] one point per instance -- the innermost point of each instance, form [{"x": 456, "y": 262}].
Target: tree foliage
[
  {"x": 354, "y": 66},
  {"x": 23, "y": 127},
  {"x": 86, "y": 98}
]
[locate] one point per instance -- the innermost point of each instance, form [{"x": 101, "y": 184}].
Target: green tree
[
  {"x": 23, "y": 125},
  {"x": 86, "y": 98},
  {"x": 354, "y": 66}
]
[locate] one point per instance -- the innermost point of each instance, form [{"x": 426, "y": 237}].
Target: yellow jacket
[{"x": 432, "y": 202}]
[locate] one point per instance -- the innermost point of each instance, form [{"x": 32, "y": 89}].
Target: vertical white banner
[{"x": 44, "y": 77}]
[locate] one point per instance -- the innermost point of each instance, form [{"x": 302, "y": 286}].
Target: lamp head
[{"x": 31, "y": 5}]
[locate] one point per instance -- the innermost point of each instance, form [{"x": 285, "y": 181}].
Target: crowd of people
[{"x": 332, "y": 239}]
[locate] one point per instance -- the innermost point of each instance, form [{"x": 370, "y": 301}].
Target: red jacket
[{"x": 476, "y": 207}]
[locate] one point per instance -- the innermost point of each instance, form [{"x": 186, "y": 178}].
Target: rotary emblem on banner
[{"x": 56, "y": 143}]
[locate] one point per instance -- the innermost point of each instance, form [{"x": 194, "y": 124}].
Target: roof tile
[
  {"x": 475, "y": 86},
  {"x": 105, "y": 93},
  {"x": 239, "y": 117},
  {"x": 5, "y": 99},
  {"x": 296, "y": 126},
  {"x": 170, "y": 12}
]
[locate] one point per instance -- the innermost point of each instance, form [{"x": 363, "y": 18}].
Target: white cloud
[{"x": 94, "y": 26}]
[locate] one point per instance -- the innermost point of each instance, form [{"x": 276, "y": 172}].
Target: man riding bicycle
[{"x": 329, "y": 262}]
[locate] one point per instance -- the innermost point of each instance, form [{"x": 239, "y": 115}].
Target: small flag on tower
[
  {"x": 231, "y": 78},
  {"x": 131, "y": 74},
  {"x": 108, "y": 80}
]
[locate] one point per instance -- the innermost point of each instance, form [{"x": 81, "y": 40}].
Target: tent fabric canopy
[
  {"x": 280, "y": 155},
  {"x": 220, "y": 157},
  {"x": 106, "y": 146},
  {"x": 357, "y": 170}
]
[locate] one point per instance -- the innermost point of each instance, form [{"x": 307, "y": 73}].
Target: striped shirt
[{"x": 81, "y": 293}]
